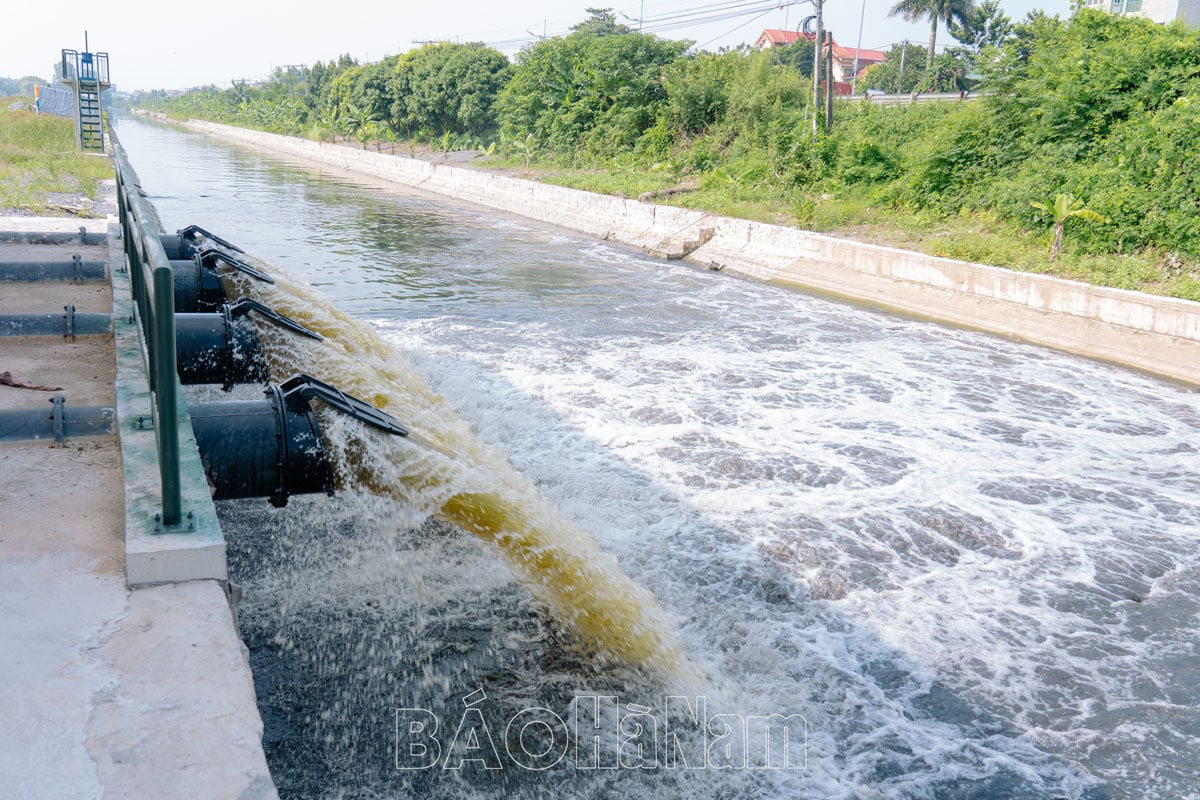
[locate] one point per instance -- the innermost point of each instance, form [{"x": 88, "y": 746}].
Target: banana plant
[
  {"x": 527, "y": 150},
  {"x": 1061, "y": 208}
]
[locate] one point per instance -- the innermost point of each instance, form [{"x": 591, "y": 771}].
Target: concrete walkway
[{"x": 106, "y": 692}]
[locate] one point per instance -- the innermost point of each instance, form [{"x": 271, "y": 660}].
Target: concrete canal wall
[{"x": 1156, "y": 334}]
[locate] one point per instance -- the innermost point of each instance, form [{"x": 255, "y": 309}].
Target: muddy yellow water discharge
[{"x": 444, "y": 470}]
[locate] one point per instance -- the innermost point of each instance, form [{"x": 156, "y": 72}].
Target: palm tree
[
  {"x": 948, "y": 11},
  {"x": 1062, "y": 208}
]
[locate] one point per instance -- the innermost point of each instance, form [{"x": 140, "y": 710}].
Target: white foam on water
[{"x": 996, "y": 514}]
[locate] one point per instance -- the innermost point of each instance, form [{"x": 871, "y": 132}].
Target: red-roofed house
[
  {"x": 843, "y": 57},
  {"x": 773, "y": 37}
]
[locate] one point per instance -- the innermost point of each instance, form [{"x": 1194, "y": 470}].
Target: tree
[
  {"x": 798, "y": 54},
  {"x": 988, "y": 26},
  {"x": 697, "y": 89},
  {"x": 950, "y": 73},
  {"x": 948, "y": 11},
  {"x": 448, "y": 88},
  {"x": 1063, "y": 207},
  {"x": 316, "y": 78},
  {"x": 600, "y": 22},
  {"x": 888, "y": 75},
  {"x": 27, "y": 83},
  {"x": 587, "y": 92}
]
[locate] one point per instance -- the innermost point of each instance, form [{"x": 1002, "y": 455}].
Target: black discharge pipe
[
  {"x": 185, "y": 243},
  {"x": 68, "y": 325},
  {"x": 72, "y": 270},
  {"x": 176, "y": 247},
  {"x": 261, "y": 448},
  {"x": 273, "y": 447},
  {"x": 197, "y": 289},
  {"x": 58, "y": 423},
  {"x": 224, "y": 348},
  {"x": 57, "y": 237},
  {"x": 214, "y": 348},
  {"x": 198, "y": 285}
]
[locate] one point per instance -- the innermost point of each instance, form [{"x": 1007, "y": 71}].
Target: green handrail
[{"x": 154, "y": 298}]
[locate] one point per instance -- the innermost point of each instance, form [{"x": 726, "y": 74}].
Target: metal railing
[
  {"x": 89, "y": 67},
  {"x": 915, "y": 97},
  {"x": 153, "y": 284}
]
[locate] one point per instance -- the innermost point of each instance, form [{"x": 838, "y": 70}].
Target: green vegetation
[
  {"x": 1062, "y": 208},
  {"x": 39, "y": 158},
  {"x": 1099, "y": 107},
  {"x": 19, "y": 86},
  {"x": 952, "y": 12}
]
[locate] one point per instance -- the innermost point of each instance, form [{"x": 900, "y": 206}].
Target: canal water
[{"x": 951, "y": 565}]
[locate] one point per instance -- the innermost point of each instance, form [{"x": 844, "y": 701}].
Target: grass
[
  {"x": 982, "y": 237},
  {"x": 39, "y": 159}
]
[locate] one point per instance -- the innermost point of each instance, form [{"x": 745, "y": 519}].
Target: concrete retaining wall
[{"x": 1156, "y": 334}]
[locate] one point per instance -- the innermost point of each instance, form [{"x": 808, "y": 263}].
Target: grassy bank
[
  {"x": 42, "y": 170},
  {"x": 978, "y": 236}
]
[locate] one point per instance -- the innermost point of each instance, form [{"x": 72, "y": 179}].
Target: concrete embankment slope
[{"x": 1155, "y": 334}]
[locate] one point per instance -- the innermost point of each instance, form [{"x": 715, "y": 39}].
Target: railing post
[
  {"x": 167, "y": 393},
  {"x": 153, "y": 284}
]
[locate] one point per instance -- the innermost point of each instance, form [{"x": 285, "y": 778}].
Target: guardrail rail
[{"x": 153, "y": 285}]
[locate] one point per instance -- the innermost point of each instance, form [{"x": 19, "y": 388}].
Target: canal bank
[
  {"x": 109, "y": 690},
  {"x": 1154, "y": 334}
]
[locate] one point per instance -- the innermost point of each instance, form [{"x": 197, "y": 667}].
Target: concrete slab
[
  {"x": 17, "y": 297},
  {"x": 85, "y": 369},
  {"x": 20, "y": 251},
  {"x": 143, "y": 737},
  {"x": 51, "y": 296},
  {"x": 107, "y": 691},
  {"x": 56, "y": 224}
]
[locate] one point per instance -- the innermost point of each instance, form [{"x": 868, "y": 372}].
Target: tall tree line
[{"x": 1100, "y": 106}]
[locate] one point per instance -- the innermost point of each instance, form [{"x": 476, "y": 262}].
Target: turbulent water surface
[{"x": 959, "y": 566}]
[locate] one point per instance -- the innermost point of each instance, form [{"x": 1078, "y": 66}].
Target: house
[
  {"x": 1161, "y": 11},
  {"x": 843, "y": 57}
]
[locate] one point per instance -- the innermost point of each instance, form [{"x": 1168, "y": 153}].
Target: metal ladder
[
  {"x": 88, "y": 74},
  {"x": 91, "y": 127}
]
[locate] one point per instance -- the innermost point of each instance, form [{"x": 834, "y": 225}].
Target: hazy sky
[{"x": 174, "y": 45}]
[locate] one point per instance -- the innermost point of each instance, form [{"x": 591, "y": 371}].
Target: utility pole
[
  {"x": 291, "y": 78},
  {"x": 903, "y": 53},
  {"x": 829, "y": 82},
  {"x": 858, "y": 48},
  {"x": 817, "y": 41}
]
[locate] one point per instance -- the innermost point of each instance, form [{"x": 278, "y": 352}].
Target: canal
[{"x": 959, "y": 565}]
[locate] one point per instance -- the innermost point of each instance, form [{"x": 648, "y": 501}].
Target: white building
[{"x": 1187, "y": 11}]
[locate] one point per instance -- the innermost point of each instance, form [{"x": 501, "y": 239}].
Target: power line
[
  {"x": 719, "y": 13},
  {"x": 674, "y": 20},
  {"x": 747, "y": 6},
  {"x": 742, "y": 25}
]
